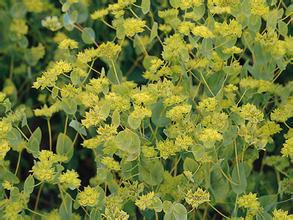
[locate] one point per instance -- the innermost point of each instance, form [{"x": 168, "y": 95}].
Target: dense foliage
[{"x": 148, "y": 109}]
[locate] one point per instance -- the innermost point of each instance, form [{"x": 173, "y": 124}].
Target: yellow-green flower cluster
[
  {"x": 44, "y": 169},
  {"x": 49, "y": 77},
  {"x": 149, "y": 152},
  {"x": 68, "y": 44},
  {"x": 207, "y": 105},
  {"x": 52, "y": 23},
  {"x": 196, "y": 198},
  {"x": 145, "y": 201},
  {"x": 19, "y": 27},
  {"x": 88, "y": 197},
  {"x": 249, "y": 202},
  {"x": 34, "y": 5},
  {"x": 108, "y": 51},
  {"x": 48, "y": 111},
  {"x": 133, "y": 26},
  {"x": 228, "y": 30},
  {"x": 287, "y": 149},
  {"x": 280, "y": 214},
  {"x": 209, "y": 136},
  {"x": 99, "y": 14},
  {"x": 70, "y": 179},
  {"x": 259, "y": 7},
  {"x": 167, "y": 148},
  {"x": 282, "y": 113},
  {"x": 202, "y": 31},
  {"x": 251, "y": 113},
  {"x": 178, "y": 112},
  {"x": 110, "y": 163}
]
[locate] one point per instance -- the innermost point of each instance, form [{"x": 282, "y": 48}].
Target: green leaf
[
  {"x": 154, "y": 31},
  {"x": 219, "y": 186},
  {"x": 78, "y": 127},
  {"x": 116, "y": 118},
  {"x": 269, "y": 202},
  {"x": 239, "y": 178},
  {"x": 133, "y": 123},
  {"x": 88, "y": 35},
  {"x": 151, "y": 172},
  {"x": 282, "y": 28},
  {"x": 158, "y": 115},
  {"x": 179, "y": 211},
  {"x": 69, "y": 105},
  {"x": 157, "y": 204},
  {"x": 145, "y": 6},
  {"x": 29, "y": 185},
  {"x": 64, "y": 146},
  {"x": 14, "y": 137},
  {"x": 75, "y": 78},
  {"x": 65, "y": 210},
  {"x": 34, "y": 142}
]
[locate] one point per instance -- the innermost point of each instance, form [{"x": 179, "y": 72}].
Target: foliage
[{"x": 178, "y": 109}]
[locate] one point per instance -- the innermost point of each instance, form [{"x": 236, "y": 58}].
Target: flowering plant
[{"x": 178, "y": 109}]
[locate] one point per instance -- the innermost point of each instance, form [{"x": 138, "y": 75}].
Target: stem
[
  {"x": 205, "y": 82},
  {"x": 18, "y": 163},
  {"x": 65, "y": 124},
  {"x": 218, "y": 211},
  {"x": 38, "y": 197},
  {"x": 116, "y": 75},
  {"x": 26, "y": 138},
  {"x": 50, "y": 133}
]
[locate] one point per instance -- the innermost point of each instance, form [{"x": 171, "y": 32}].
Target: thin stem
[
  {"x": 34, "y": 212},
  {"x": 218, "y": 211},
  {"x": 22, "y": 133},
  {"x": 38, "y": 197},
  {"x": 50, "y": 133},
  {"x": 65, "y": 124},
  {"x": 116, "y": 74},
  {"x": 18, "y": 163},
  {"x": 205, "y": 82}
]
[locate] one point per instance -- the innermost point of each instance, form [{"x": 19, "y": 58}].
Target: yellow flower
[
  {"x": 207, "y": 105},
  {"x": 209, "y": 136},
  {"x": 4, "y": 148},
  {"x": 167, "y": 148},
  {"x": 70, "y": 179},
  {"x": 250, "y": 113},
  {"x": 178, "y": 112},
  {"x": 68, "y": 44},
  {"x": 145, "y": 201},
  {"x": 19, "y": 27},
  {"x": 250, "y": 202},
  {"x": 202, "y": 31},
  {"x": 197, "y": 197},
  {"x": 99, "y": 14},
  {"x": 233, "y": 50},
  {"x": 52, "y": 23},
  {"x": 88, "y": 197},
  {"x": 287, "y": 149},
  {"x": 48, "y": 111},
  {"x": 149, "y": 152},
  {"x": 110, "y": 163},
  {"x": 280, "y": 214},
  {"x": 34, "y": 5},
  {"x": 133, "y": 26}
]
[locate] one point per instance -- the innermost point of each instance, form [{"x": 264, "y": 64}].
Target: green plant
[{"x": 178, "y": 105}]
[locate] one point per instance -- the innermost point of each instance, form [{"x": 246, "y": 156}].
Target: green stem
[
  {"x": 50, "y": 133},
  {"x": 18, "y": 163},
  {"x": 38, "y": 197},
  {"x": 116, "y": 75},
  {"x": 65, "y": 124}
]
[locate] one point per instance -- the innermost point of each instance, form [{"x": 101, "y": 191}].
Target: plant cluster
[{"x": 183, "y": 108}]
